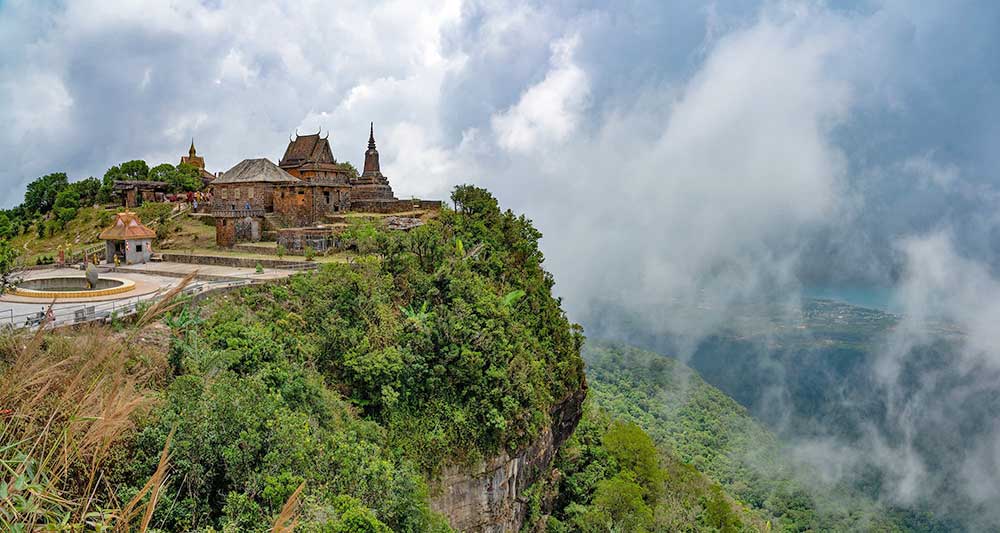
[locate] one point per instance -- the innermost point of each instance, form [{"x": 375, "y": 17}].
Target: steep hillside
[
  {"x": 700, "y": 426},
  {"x": 348, "y": 398},
  {"x": 813, "y": 376},
  {"x": 612, "y": 476}
]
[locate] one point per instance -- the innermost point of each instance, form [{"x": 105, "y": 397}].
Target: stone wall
[
  {"x": 233, "y": 196},
  {"x": 230, "y": 230},
  {"x": 392, "y": 206},
  {"x": 296, "y": 239},
  {"x": 225, "y": 232},
  {"x": 306, "y": 204},
  {"x": 241, "y": 262},
  {"x": 488, "y": 497}
]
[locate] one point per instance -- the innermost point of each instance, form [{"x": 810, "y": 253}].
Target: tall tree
[
  {"x": 187, "y": 178},
  {"x": 41, "y": 194},
  {"x": 66, "y": 206},
  {"x": 181, "y": 178},
  {"x": 88, "y": 189},
  {"x": 136, "y": 169}
]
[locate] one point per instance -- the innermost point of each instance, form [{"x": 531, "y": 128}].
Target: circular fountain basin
[{"x": 71, "y": 287}]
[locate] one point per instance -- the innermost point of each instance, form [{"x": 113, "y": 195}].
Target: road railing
[{"x": 58, "y": 315}]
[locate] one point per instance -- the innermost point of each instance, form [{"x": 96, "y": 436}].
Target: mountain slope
[{"x": 704, "y": 428}]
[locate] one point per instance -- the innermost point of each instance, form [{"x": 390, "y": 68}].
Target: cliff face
[{"x": 487, "y": 498}]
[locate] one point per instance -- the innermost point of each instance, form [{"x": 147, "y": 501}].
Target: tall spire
[
  {"x": 371, "y": 156},
  {"x": 191, "y": 150}
]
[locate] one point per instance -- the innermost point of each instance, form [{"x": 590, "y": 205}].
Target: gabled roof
[
  {"x": 193, "y": 158},
  {"x": 127, "y": 226},
  {"x": 307, "y": 149},
  {"x": 196, "y": 161},
  {"x": 255, "y": 171}
]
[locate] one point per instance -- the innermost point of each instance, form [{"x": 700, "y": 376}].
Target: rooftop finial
[
  {"x": 371, "y": 137},
  {"x": 191, "y": 151}
]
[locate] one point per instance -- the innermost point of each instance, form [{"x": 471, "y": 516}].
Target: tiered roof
[
  {"x": 127, "y": 226},
  {"x": 307, "y": 149}
]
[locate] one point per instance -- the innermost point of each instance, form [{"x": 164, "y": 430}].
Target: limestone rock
[{"x": 488, "y": 498}]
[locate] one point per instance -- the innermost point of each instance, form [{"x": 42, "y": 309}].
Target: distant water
[{"x": 880, "y": 298}]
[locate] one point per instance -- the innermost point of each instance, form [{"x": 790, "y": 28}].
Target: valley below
[{"x": 864, "y": 419}]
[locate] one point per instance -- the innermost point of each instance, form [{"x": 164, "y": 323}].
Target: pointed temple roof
[
  {"x": 371, "y": 156},
  {"x": 194, "y": 159},
  {"x": 127, "y": 226},
  {"x": 307, "y": 149},
  {"x": 255, "y": 171}
]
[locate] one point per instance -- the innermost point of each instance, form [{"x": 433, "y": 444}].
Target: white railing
[{"x": 62, "y": 315}]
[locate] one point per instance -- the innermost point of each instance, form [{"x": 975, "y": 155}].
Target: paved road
[
  {"x": 152, "y": 280},
  {"x": 17, "y": 310}
]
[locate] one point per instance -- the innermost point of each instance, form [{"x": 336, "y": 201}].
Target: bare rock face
[{"x": 487, "y": 498}]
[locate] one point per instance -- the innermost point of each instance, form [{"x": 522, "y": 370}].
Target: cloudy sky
[
  {"x": 689, "y": 152},
  {"x": 692, "y": 147}
]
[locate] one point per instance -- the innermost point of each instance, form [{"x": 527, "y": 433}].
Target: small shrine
[{"x": 128, "y": 240}]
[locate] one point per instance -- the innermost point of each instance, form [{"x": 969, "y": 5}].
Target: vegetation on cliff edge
[{"x": 337, "y": 393}]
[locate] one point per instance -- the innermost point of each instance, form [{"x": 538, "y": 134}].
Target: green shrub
[
  {"x": 105, "y": 218},
  {"x": 157, "y": 212}
]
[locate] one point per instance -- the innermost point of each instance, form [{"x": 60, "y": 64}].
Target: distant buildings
[
  {"x": 305, "y": 188},
  {"x": 198, "y": 162}
]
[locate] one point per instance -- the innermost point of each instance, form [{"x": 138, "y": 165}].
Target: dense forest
[
  {"x": 824, "y": 391},
  {"x": 698, "y": 425}
]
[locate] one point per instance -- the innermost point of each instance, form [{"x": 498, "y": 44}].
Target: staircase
[{"x": 272, "y": 223}]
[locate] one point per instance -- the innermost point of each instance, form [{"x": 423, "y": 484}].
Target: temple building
[
  {"x": 198, "y": 162},
  {"x": 128, "y": 239},
  {"x": 241, "y": 197},
  {"x": 309, "y": 157},
  {"x": 307, "y": 188},
  {"x": 371, "y": 184}
]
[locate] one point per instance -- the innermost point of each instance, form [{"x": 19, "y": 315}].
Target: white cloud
[{"x": 550, "y": 110}]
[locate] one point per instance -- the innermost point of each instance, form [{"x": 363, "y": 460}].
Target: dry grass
[
  {"x": 66, "y": 399},
  {"x": 288, "y": 518}
]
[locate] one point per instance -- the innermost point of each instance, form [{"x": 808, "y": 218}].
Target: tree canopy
[{"x": 41, "y": 194}]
